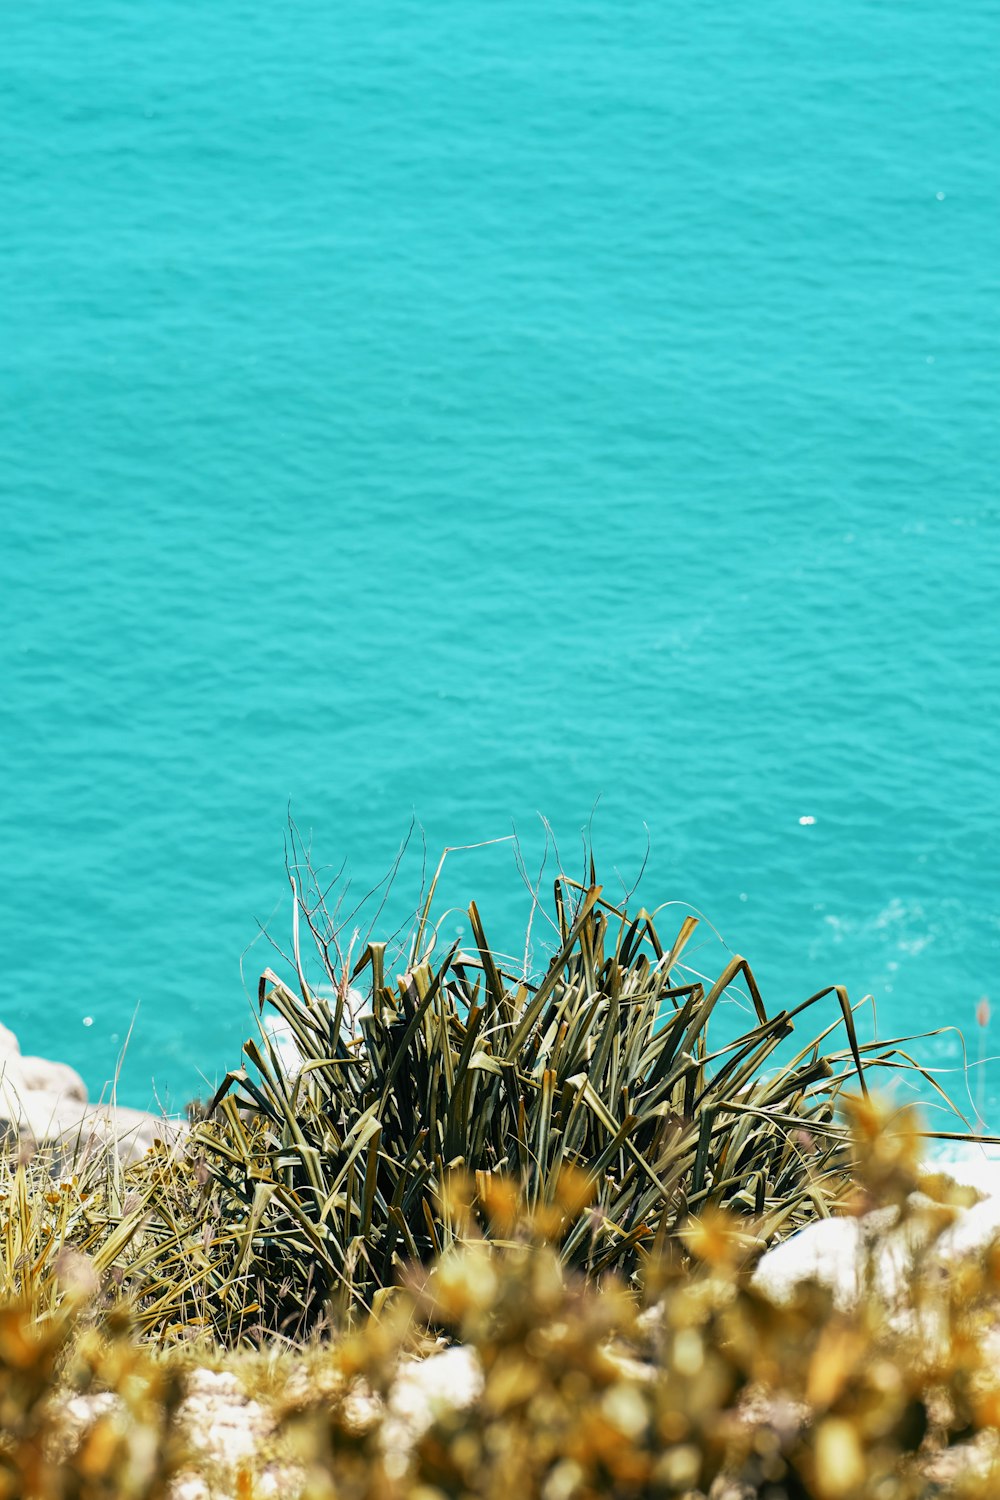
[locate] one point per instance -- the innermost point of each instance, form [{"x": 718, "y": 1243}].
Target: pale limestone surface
[
  {"x": 222, "y": 1422},
  {"x": 847, "y": 1255},
  {"x": 221, "y": 1426},
  {"x": 45, "y": 1103},
  {"x": 425, "y": 1389},
  {"x": 38, "y": 1075},
  {"x": 228, "y": 1433},
  {"x": 835, "y": 1252}
]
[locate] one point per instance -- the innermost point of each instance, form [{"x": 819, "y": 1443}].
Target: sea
[{"x": 552, "y": 429}]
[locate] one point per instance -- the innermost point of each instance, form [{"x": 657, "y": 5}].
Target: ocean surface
[{"x": 469, "y": 413}]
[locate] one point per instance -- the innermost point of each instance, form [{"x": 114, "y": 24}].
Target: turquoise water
[{"x": 469, "y": 412}]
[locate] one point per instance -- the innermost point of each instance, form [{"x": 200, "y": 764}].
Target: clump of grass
[{"x": 306, "y": 1195}]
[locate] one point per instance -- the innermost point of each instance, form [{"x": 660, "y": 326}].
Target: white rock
[
  {"x": 38, "y": 1074},
  {"x": 189, "y": 1487},
  {"x": 425, "y": 1389},
  {"x": 217, "y": 1385},
  {"x": 973, "y": 1230},
  {"x": 840, "y": 1253},
  {"x": 829, "y": 1252},
  {"x": 130, "y": 1131},
  {"x": 278, "y": 1481},
  {"x": 221, "y": 1426},
  {"x": 40, "y": 1118},
  {"x": 44, "y": 1103},
  {"x": 220, "y": 1419},
  {"x": 12, "y": 1079},
  {"x": 81, "y": 1412},
  {"x": 361, "y": 1409}
]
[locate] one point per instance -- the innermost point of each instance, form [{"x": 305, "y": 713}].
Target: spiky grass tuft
[{"x": 306, "y": 1194}]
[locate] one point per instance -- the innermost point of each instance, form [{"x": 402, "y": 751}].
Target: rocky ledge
[
  {"x": 882, "y": 1251},
  {"x": 45, "y": 1103}
]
